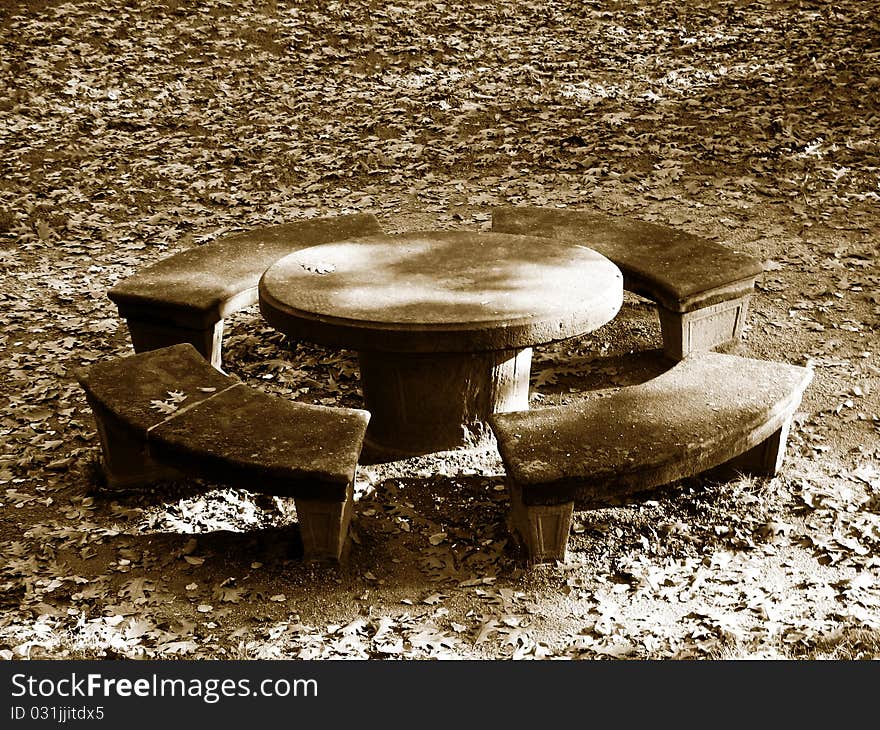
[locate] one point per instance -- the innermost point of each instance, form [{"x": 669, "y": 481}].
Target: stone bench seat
[
  {"x": 701, "y": 288},
  {"x": 186, "y": 296},
  {"x": 167, "y": 413},
  {"x": 707, "y": 410}
]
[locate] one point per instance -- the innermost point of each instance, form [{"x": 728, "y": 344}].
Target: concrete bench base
[
  {"x": 324, "y": 526},
  {"x": 710, "y": 410},
  {"x": 126, "y": 460},
  {"x": 765, "y": 459},
  {"x": 701, "y": 288},
  {"x": 149, "y": 335},
  {"x": 716, "y": 327},
  {"x": 541, "y": 529},
  {"x": 215, "y": 427}
]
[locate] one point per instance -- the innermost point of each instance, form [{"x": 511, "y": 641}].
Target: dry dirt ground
[{"x": 701, "y": 569}]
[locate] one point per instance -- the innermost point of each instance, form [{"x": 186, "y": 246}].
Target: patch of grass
[{"x": 849, "y": 643}]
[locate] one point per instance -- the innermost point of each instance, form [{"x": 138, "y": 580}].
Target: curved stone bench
[
  {"x": 701, "y": 288},
  {"x": 184, "y": 297},
  {"x": 167, "y": 413},
  {"x": 707, "y": 410}
]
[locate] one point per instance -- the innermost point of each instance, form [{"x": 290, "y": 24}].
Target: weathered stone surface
[
  {"x": 225, "y": 430},
  {"x": 706, "y": 410},
  {"x": 126, "y": 389},
  {"x": 441, "y": 291},
  {"x": 216, "y": 423},
  {"x": 265, "y": 443},
  {"x": 185, "y": 297},
  {"x": 679, "y": 270},
  {"x": 443, "y": 322},
  {"x": 198, "y": 286}
]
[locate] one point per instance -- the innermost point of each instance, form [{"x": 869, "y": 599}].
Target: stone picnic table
[{"x": 443, "y": 322}]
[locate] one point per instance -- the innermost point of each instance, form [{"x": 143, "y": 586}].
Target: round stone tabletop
[{"x": 440, "y": 291}]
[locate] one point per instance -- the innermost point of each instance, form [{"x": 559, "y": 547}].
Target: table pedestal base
[{"x": 421, "y": 403}]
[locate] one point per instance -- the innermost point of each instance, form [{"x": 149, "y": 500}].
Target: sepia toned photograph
[{"x": 436, "y": 331}]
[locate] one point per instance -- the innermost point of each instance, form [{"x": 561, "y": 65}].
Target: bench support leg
[
  {"x": 541, "y": 529},
  {"x": 765, "y": 459},
  {"x": 718, "y": 325},
  {"x": 146, "y": 335},
  {"x": 324, "y": 526},
  {"x": 126, "y": 461}
]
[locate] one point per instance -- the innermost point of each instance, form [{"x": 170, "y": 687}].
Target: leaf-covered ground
[{"x": 131, "y": 130}]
